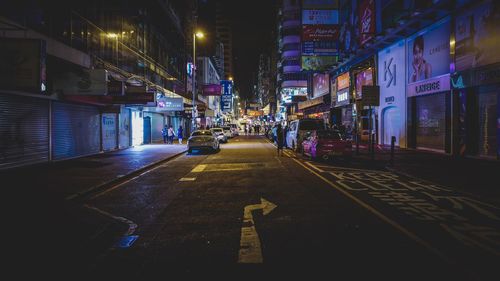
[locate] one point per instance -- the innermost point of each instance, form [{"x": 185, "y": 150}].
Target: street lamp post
[{"x": 199, "y": 35}]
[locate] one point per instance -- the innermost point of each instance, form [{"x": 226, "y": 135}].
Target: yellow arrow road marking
[{"x": 250, "y": 249}]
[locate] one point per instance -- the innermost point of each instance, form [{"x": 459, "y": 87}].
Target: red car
[{"x": 326, "y": 145}]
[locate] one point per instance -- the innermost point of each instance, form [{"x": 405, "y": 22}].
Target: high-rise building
[{"x": 224, "y": 34}]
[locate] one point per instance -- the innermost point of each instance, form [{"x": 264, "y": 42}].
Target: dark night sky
[{"x": 253, "y": 24}]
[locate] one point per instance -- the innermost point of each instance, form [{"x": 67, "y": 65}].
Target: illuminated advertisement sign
[
  {"x": 320, "y": 32},
  {"x": 429, "y": 53},
  {"x": 342, "y": 97},
  {"x": 320, "y": 48},
  {"x": 320, "y": 84},
  {"x": 477, "y": 35},
  {"x": 343, "y": 81},
  {"x": 212, "y": 90},
  {"x": 319, "y": 63},
  {"x": 227, "y": 95},
  {"x": 367, "y": 20},
  {"x": 363, "y": 78},
  {"x": 320, "y": 17}
]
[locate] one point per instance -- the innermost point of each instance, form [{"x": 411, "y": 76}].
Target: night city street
[{"x": 227, "y": 140}]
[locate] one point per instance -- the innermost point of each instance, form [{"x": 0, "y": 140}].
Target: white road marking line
[
  {"x": 187, "y": 179},
  {"x": 405, "y": 231},
  {"x": 199, "y": 168}
]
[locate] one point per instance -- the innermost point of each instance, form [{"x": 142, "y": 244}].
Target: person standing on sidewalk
[
  {"x": 179, "y": 134},
  {"x": 171, "y": 135},
  {"x": 279, "y": 139},
  {"x": 164, "y": 133}
]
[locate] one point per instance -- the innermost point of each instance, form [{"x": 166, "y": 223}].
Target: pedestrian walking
[
  {"x": 171, "y": 135},
  {"x": 164, "y": 133},
  {"x": 180, "y": 134},
  {"x": 279, "y": 139}
]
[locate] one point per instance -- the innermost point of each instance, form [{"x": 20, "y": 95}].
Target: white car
[
  {"x": 219, "y": 132},
  {"x": 234, "y": 129},
  {"x": 227, "y": 131},
  {"x": 201, "y": 140}
]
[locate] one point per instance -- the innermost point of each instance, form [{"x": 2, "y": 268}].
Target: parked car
[
  {"x": 227, "y": 131},
  {"x": 326, "y": 145},
  {"x": 202, "y": 140},
  {"x": 219, "y": 133},
  {"x": 234, "y": 129},
  {"x": 298, "y": 128}
]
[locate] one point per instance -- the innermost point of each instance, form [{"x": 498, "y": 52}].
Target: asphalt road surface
[{"x": 245, "y": 212}]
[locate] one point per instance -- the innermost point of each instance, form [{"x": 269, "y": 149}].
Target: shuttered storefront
[
  {"x": 24, "y": 130},
  {"x": 156, "y": 127},
  {"x": 76, "y": 130}
]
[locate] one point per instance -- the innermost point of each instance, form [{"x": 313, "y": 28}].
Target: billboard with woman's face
[{"x": 429, "y": 53}]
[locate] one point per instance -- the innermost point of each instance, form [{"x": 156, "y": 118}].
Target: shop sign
[
  {"x": 320, "y": 32},
  {"x": 367, "y": 21},
  {"x": 318, "y": 63},
  {"x": 320, "y": 48},
  {"x": 212, "y": 90},
  {"x": 430, "y": 86},
  {"x": 363, "y": 78},
  {"x": 170, "y": 104},
  {"x": 342, "y": 98},
  {"x": 343, "y": 81},
  {"x": 227, "y": 95},
  {"x": 311, "y": 102},
  {"x": 320, "y": 17}
]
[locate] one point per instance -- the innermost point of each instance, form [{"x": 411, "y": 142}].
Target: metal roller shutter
[
  {"x": 24, "y": 130},
  {"x": 75, "y": 130},
  {"x": 156, "y": 127}
]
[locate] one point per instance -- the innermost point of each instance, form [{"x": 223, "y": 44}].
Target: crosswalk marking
[{"x": 199, "y": 168}]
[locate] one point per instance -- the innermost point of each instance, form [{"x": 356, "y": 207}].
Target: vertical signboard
[
  {"x": 392, "y": 110},
  {"x": 227, "y": 95},
  {"x": 366, "y": 21}
]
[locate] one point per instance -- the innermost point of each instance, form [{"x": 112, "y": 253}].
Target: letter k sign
[{"x": 388, "y": 72}]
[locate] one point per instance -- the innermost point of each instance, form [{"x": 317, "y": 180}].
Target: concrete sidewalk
[{"x": 69, "y": 179}]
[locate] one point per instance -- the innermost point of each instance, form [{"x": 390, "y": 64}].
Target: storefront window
[
  {"x": 430, "y": 121},
  {"x": 487, "y": 145}
]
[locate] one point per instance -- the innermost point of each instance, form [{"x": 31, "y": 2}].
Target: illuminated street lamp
[{"x": 199, "y": 35}]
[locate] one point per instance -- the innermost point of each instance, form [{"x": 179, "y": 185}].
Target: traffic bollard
[{"x": 393, "y": 141}]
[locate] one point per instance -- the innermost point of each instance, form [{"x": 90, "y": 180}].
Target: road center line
[
  {"x": 380, "y": 215},
  {"x": 187, "y": 179}
]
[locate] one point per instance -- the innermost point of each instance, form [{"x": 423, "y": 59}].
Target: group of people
[
  {"x": 168, "y": 134},
  {"x": 249, "y": 129}
]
